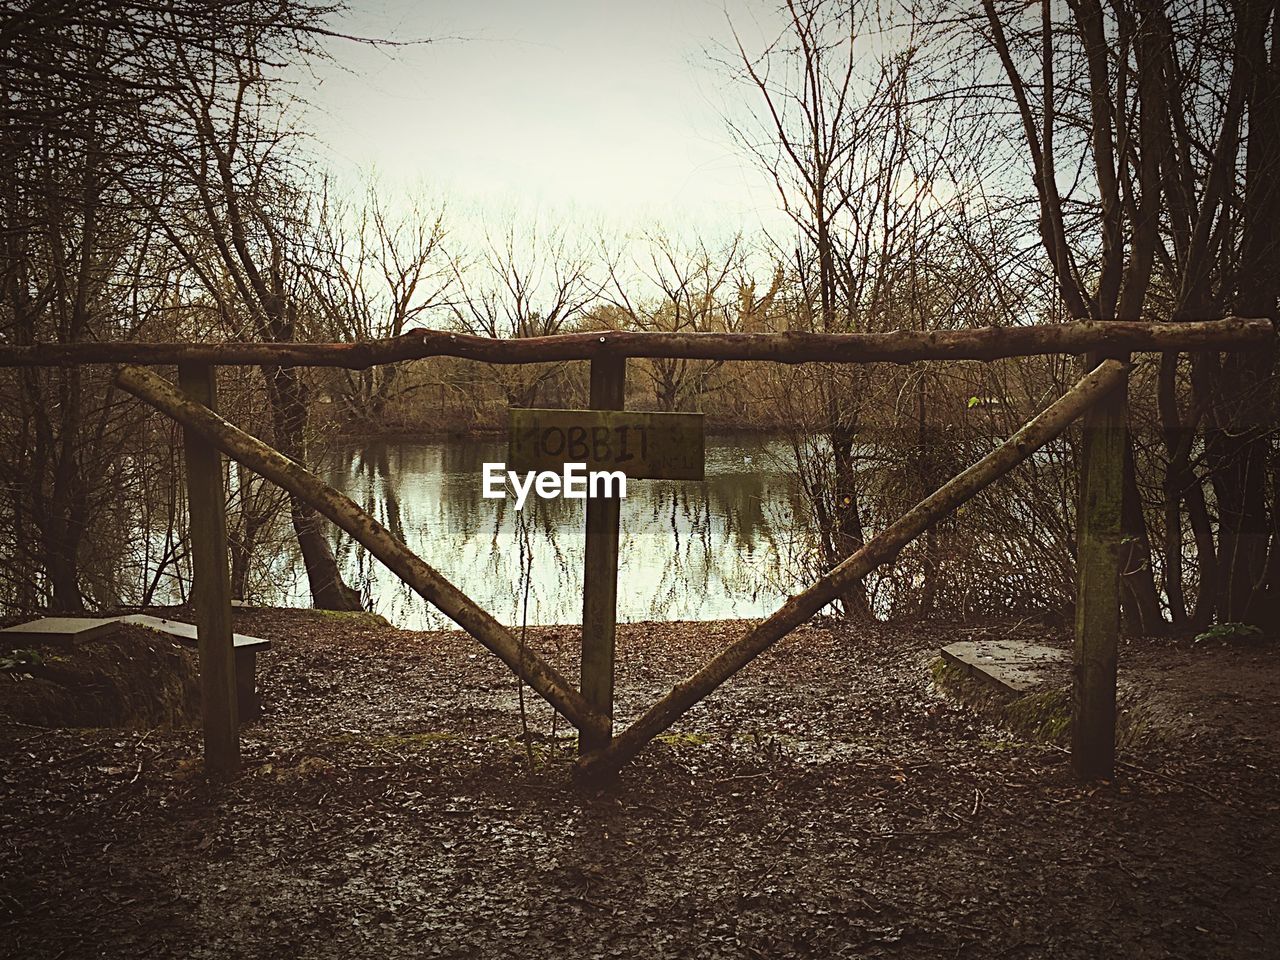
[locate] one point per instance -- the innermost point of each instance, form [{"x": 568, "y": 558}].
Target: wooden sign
[{"x": 644, "y": 446}]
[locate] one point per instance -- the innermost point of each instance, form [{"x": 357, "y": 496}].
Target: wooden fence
[{"x": 1099, "y": 399}]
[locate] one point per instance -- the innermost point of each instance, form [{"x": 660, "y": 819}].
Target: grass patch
[
  {"x": 397, "y": 741},
  {"x": 683, "y": 739}
]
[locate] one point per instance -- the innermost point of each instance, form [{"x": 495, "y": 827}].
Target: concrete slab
[
  {"x": 1011, "y": 665},
  {"x": 186, "y": 632},
  {"x": 64, "y": 631}
]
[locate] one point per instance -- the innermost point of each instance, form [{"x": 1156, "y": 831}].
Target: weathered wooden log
[
  {"x": 882, "y": 548},
  {"x": 398, "y": 558},
  {"x": 211, "y": 585},
  {"x": 895, "y": 346},
  {"x": 1099, "y": 538},
  {"x": 600, "y": 568}
]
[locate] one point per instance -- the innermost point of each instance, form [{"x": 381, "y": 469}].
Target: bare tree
[
  {"x": 527, "y": 281},
  {"x": 241, "y": 226},
  {"x": 80, "y": 260},
  {"x": 682, "y": 287},
  {"x": 842, "y": 143},
  {"x": 375, "y": 275},
  {"x": 1154, "y": 103}
]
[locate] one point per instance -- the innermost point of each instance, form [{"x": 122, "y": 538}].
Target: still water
[{"x": 725, "y": 547}]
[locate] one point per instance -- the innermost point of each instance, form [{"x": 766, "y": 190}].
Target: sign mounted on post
[
  {"x": 644, "y": 446},
  {"x": 607, "y": 439}
]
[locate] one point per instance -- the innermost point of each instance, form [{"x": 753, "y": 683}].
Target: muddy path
[{"x": 826, "y": 803}]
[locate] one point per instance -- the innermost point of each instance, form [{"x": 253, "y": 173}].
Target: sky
[{"x": 603, "y": 111}]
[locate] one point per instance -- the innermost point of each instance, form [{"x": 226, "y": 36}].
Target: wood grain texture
[
  {"x": 1099, "y": 536},
  {"x": 894, "y": 346},
  {"x": 600, "y": 572},
  {"x": 211, "y": 585}
]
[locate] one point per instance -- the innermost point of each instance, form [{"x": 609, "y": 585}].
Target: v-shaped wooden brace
[
  {"x": 540, "y": 675},
  {"x": 398, "y": 558},
  {"x": 1049, "y": 424}
]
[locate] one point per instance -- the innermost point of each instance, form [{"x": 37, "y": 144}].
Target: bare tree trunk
[
  {"x": 63, "y": 573},
  {"x": 63, "y": 514},
  {"x": 289, "y": 411},
  {"x": 1175, "y": 481},
  {"x": 848, "y": 535},
  {"x": 1250, "y": 584},
  {"x": 1206, "y": 554},
  {"x": 1141, "y": 601},
  {"x": 239, "y": 567},
  {"x": 1243, "y": 529}
]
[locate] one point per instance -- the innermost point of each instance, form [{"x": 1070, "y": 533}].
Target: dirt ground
[{"x": 827, "y": 802}]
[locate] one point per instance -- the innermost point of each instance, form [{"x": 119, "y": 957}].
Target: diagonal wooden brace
[
  {"x": 882, "y": 548},
  {"x": 398, "y": 558}
]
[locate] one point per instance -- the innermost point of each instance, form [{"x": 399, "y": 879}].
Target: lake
[{"x": 725, "y": 547}]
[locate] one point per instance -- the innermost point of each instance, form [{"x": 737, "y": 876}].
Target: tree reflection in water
[{"x": 721, "y": 548}]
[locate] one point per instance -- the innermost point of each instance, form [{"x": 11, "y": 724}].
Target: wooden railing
[
  {"x": 894, "y": 346},
  {"x": 1099, "y": 398}
]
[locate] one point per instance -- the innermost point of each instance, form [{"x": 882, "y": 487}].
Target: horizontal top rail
[{"x": 894, "y": 346}]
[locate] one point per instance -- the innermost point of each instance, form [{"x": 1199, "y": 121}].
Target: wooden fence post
[
  {"x": 1099, "y": 533},
  {"x": 211, "y": 587},
  {"x": 600, "y": 573}
]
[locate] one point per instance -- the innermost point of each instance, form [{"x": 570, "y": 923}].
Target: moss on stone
[{"x": 1043, "y": 716}]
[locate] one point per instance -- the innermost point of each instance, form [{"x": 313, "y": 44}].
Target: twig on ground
[{"x": 1163, "y": 776}]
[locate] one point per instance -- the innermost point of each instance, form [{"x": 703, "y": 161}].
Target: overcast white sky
[{"x": 601, "y": 110}]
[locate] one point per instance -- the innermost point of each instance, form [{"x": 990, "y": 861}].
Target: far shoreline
[{"x": 354, "y": 434}]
